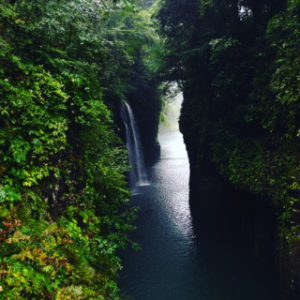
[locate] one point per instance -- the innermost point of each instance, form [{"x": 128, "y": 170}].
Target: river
[{"x": 178, "y": 260}]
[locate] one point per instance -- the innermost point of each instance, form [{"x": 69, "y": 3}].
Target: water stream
[
  {"x": 179, "y": 261},
  {"x": 138, "y": 175}
]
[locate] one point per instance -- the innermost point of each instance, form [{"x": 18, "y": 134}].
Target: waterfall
[{"x": 138, "y": 175}]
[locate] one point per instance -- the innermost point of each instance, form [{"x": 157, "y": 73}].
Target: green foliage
[
  {"x": 64, "y": 210},
  {"x": 239, "y": 64}
]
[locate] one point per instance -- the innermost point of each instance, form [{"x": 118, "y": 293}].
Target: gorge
[
  {"x": 206, "y": 253},
  {"x": 167, "y": 125}
]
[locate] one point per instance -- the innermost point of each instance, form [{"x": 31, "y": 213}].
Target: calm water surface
[{"x": 177, "y": 260}]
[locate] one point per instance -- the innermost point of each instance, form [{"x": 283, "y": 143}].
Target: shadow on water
[{"x": 235, "y": 235}]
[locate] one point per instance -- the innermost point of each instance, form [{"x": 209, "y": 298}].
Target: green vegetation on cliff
[
  {"x": 239, "y": 65},
  {"x": 64, "y": 210}
]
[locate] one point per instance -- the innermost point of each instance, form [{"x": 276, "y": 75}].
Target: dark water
[{"x": 183, "y": 258}]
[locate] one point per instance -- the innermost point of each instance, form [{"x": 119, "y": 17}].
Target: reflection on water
[
  {"x": 178, "y": 260},
  {"x": 165, "y": 230},
  {"x": 175, "y": 207}
]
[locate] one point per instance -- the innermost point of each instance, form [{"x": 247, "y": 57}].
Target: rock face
[
  {"x": 146, "y": 108},
  {"x": 241, "y": 109},
  {"x": 215, "y": 196},
  {"x": 145, "y": 100}
]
